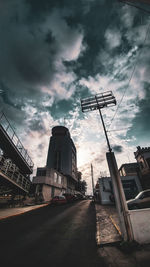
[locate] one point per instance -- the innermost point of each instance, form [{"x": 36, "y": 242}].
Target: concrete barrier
[{"x": 140, "y": 221}]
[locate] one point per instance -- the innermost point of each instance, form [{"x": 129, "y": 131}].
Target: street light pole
[
  {"x": 100, "y": 113},
  {"x": 100, "y": 101},
  {"x": 92, "y": 179}
]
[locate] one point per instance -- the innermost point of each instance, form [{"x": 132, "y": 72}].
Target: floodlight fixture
[{"x": 99, "y": 101}]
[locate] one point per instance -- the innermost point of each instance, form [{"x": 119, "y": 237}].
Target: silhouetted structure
[
  {"x": 15, "y": 162},
  {"x": 142, "y": 156},
  {"x": 60, "y": 174},
  {"x": 62, "y": 152}
]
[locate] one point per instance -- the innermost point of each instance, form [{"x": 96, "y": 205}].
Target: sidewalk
[
  {"x": 115, "y": 252},
  {"x": 10, "y": 212},
  {"x": 107, "y": 225}
]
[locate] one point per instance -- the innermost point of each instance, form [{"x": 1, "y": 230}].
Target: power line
[
  {"x": 132, "y": 73},
  {"x": 130, "y": 4}
]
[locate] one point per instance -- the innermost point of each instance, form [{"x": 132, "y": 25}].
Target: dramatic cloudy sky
[{"x": 54, "y": 53}]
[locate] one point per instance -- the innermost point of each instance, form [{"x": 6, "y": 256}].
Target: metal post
[
  {"x": 110, "y": 149},
  {"x": 92, "y": 179},
  {"x": 121, "y": 204},
  {"x": 94, "y": 103}
]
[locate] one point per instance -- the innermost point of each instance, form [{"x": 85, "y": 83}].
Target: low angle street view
[{"x": 75, "y": 133}]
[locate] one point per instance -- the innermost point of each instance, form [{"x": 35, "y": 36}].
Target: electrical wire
[
  {"x": 130, "y": 4},
  {"x": 132, "y": 73}
]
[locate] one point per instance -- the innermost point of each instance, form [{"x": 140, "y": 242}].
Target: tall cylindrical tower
[{"x": 62, "y": 152}]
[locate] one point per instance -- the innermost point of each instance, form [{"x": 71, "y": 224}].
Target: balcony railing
[
  {"x": 12, "y": 172},
  {"x": 15, "y": 140}
]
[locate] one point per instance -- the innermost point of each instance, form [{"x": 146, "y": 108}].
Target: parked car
[
  {"x": 58, "y": 200},
  {"x": 142, "y": 200},
  {"x": 75, "y": 198},
  {"x": 79, "y": 196},
  {"x": 69, "y": 197}
]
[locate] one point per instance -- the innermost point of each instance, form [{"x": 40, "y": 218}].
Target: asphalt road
[{"x": 51, "y": 236}]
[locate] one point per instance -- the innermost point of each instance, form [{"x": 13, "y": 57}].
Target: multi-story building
[
  {"x": 131, "y": 186},
  {"x": 62, "y": 155},
  {"x": 128, "y": 169},
  {"x": 142, "y": 156},
  {"x": 15, "y": 165},
  {"x": 60, "y": 174},
  {"x": 49, "y": 183}
]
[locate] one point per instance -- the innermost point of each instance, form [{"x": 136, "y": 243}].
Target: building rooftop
[
  {"x": 60, "y": 130},
  {"x": 141, "y": 150}
]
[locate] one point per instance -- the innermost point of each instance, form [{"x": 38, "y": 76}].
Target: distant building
[
  {"x": 142, "y": 156},
  {"x": 49, "y": 183},
  {"x": 62, "y": 155},
  {"x": 62, "y": 152},
  {"x": 131, "y": 186},
  {"x": 128, "y": 169},
  {"x": 60, "y": 174}
]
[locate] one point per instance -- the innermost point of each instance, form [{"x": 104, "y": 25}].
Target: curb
[
  {"x": 101, "y": 241},
  {"x": 20, "y": 213},
  {"x": 116, "y": 226}
]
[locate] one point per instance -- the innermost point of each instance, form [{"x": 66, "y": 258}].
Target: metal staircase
[
  {"x": 15, "y": 162},
  {"x": 11, "y": 173}
]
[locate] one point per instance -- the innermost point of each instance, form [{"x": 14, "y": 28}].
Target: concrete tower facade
[{"x": 62, "y": 152}]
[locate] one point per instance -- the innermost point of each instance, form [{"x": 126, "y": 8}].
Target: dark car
[
  {"x": 58, "y": 200},
  {"x": 142, "y": 200},
  {"x": 79, "y": 196},
  {"x": 69, "y": 197}
]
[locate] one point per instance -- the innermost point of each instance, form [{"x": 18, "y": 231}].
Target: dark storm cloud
[
  {"x": 36, "y": 125},
  {"x": 31, "y": 41},
  {"x": 95, "y": 21},
  {"x": 141, "y": 123},
  {"x": 60, "y": 109},
  {"x": 36, "y": 39},
  {"x": 118, "y": 148},
  {"x": 29, "y": 52},
  {"x": 26, "y": 59}
]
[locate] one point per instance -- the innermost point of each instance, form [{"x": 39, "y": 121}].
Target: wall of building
[
  {"x": 105, "y": 190},
  {"x": 52, "y": 184},
  {"x": 52, "y": 178},
  {"x": 131, "y": 186},
  {"x": 142, "y": 156},
  {"x": 128, "y": 169},
  {"x": 140, "y": 225},
  {"x": 133, "y": 183},
  {"x": 46, "y": 192},
  {"x": 57, "y": 191}
]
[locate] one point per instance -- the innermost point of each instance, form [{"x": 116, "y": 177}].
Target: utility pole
[
  {"x": 92, "y": 179},
  {"x": 100, "y": 101}
]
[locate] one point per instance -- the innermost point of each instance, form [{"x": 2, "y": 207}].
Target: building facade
[
  {"x": 49, "y": 183},
  {"x": 62, "y": 155},
  {"x": 131, "y": 186},
  {"x": 128, "y": 169},
  {"x": 62, "y": 152},
  {"x": 60, "y": 174},
  {"x": 142, "y": 156}
]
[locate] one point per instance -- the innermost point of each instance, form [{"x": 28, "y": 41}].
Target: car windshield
[
  {"x": 144, "y": 194},
  {"x": 139, "y": 195}
]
